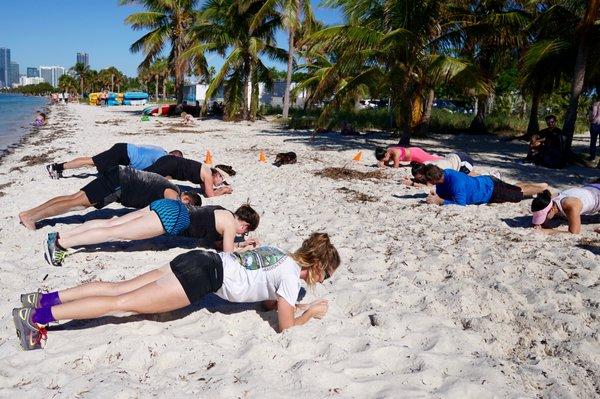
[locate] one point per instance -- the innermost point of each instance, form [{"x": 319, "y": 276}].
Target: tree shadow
[
  {"x": 81, "y": 176},
  {"x": 160, "y": 243}
]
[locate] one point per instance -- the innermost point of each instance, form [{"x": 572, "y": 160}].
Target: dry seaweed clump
[
  {"x": 32, "y": 160},
  {"x": 349, "y": 174}
]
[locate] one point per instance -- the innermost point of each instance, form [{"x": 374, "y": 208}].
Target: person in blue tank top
[
  {"x": 126, "y": 154},
  {"x": 456, "y": 188}
]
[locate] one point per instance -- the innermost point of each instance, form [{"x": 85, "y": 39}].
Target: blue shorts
[{"x": 173, "y": 215}]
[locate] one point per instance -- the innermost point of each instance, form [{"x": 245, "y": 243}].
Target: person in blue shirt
[
  {"x": 456, "y": 188},
  {"x": 126, "y": 154}
]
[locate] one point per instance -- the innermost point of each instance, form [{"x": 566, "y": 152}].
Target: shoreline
[{"x": 29, "y": 129}]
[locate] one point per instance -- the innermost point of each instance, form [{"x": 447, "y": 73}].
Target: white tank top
[{"x": 589, "y": 197}]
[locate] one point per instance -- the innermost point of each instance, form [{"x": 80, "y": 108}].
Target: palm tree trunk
[
  {"x": 288, "y": 78},
  {"x": 533, "y": 127},
  {"x": 478, "y": 123},
  {"x": 81, "y": 86},
  {"x": 576, "y": 89},
  {"x": 156, "y": 88},
  {"x": 427, "y": 109},
  {"x": 246, "y": 94},
  {"x": 112, "y": 82},
  {"x": 164, "y": 88}
]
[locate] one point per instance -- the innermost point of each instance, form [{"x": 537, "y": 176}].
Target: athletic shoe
[
  {"x": 31, "y": 300},
  {"x": 53, "y": 174},
  {"x": 52, "y": 253},
  {"x": 30, "y": 334}
]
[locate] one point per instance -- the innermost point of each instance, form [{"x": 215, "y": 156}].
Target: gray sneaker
[
  {"x": 51, "y": 171},
  {"x": 30, "y": 334},
  {"x": 52, "y": 253},
  {"x": 31, "y": 300}
]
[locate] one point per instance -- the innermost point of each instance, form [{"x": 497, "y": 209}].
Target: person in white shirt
[{"x": 263, "y": 274}]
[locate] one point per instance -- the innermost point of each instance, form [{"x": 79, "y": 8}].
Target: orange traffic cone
[
  {"x": 261, "y": 157},
  {"x": 358, "y": 157},
  {"x": 208, "y": 158}
]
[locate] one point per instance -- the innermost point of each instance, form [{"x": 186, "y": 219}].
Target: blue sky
[{"x": 42, "y": 32}]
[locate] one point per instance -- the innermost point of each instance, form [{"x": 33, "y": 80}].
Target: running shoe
[
  {"x": 52, "y": 253},
  {"x": 51, "y": 171},
  {"x": 31, "y": 300},
  {"x": 30, "y": 333}
]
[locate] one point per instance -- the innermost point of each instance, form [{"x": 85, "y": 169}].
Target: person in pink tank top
[{"x": 394, "y": 155}]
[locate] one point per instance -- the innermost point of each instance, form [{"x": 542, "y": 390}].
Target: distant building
[
  {"x": 274, "y": 96},
  {"x": 51, "y": 74},
  {"x": 83, "y": 58},
  {"x": 34, "y": 80},
  {"x": 33, "y": 72},
  {"x": 5, "y": 67},
  {"x": 14, "y": 73}
]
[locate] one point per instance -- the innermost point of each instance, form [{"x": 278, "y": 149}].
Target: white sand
[{"x": 464, "y": 304}]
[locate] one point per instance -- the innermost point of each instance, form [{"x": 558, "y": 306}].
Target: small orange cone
[
  {"x": 358, "y": 157},
  {"x": 208, "y": 158},
  {"x": 261, "y": 157}
]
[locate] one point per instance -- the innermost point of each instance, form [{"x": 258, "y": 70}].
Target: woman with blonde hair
[{"x": 263, "y": 274}]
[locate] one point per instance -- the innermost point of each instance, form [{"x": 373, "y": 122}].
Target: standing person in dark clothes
[
  {"x": 548, "y": 147},
  {"x": 195, "y": 172},
  {"x": 130, "y": 187}
]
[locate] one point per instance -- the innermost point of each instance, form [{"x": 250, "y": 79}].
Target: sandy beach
[{"x": 442, "y": 302}]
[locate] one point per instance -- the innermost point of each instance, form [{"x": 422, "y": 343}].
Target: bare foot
[
  {"x": 597, "y": 230},
  {"x": 27, "y": 222}
]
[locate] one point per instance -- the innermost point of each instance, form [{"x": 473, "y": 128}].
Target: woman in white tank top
[{"x": 569, "y": 204}]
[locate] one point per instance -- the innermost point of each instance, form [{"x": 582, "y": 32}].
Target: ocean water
[{"x": 16, "y": 115}]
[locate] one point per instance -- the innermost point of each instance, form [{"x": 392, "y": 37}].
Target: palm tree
[
  {"x": 169, "y": 23},
  {"x": 390, "y": 47},
  {"x": 67, "y": 84},
  {"x": 81, "y": 71},
  {"x": 295, "y": 14},
  {"x": 587, "y": 36},
  {"x": 225, "y": 28}
]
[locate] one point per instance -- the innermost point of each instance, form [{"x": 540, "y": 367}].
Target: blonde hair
[{"x": 317, "y": 254}]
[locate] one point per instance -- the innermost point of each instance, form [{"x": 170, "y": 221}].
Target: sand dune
[{"x": 429, "y": 302}]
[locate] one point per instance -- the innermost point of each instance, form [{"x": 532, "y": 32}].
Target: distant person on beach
[
  {"x": 187, "y": 119},
  {"x": 456, "y": 188},
  {"x": 40, "y": 119},
  {"x": 214, "y": 225},
  {"x": 212, "y": 180},
  {"x": 594, "y": 119},
  {"x": 394, "y": 155},
  {"x": 569, "y": 204},
  {"x": 265, "y": 274},
  {"x": 131, "y": 188},
  {"x": 125, "y": 154},
  {"x": 548, "y": 147}
]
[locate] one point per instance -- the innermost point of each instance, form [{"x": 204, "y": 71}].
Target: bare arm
[
  {"x": 286, "y": 313},
  {"x": 171, "y": 194},
  {"x": 572, "y": 208}
]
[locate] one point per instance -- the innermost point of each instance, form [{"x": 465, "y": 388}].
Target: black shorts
[
  {"x": 504, "y": 192},
  {"x": 104, "y": 189},
  {"x": 199, "y": 273},
  {"x": 114, "y": 156}
]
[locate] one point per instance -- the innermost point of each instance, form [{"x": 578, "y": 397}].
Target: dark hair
[
  {"x": 225, "y": 168},
  {"x": 432, "y": 173},
  {"x": 43, "y": 115},
  {"x": 380, "y": 153},
  {"x": 176, "y": 153},
  {"x": 541, "y": 201},
  {"x": 246, "y": 214},
  {"x": 550, "y": 117},
  {"x": 418, "y": 169},
  {"x": 195, "y": 198}
]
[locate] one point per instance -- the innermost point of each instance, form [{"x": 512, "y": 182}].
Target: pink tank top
[{"x": 417, "y": 155}]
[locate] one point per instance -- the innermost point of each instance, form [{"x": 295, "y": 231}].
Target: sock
[
  {"x": 57, "y": 244},
  {"x": 59, "y": 167},
  {"x": 49, "y": 299},
  {"x": 43, "y": 316}
]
